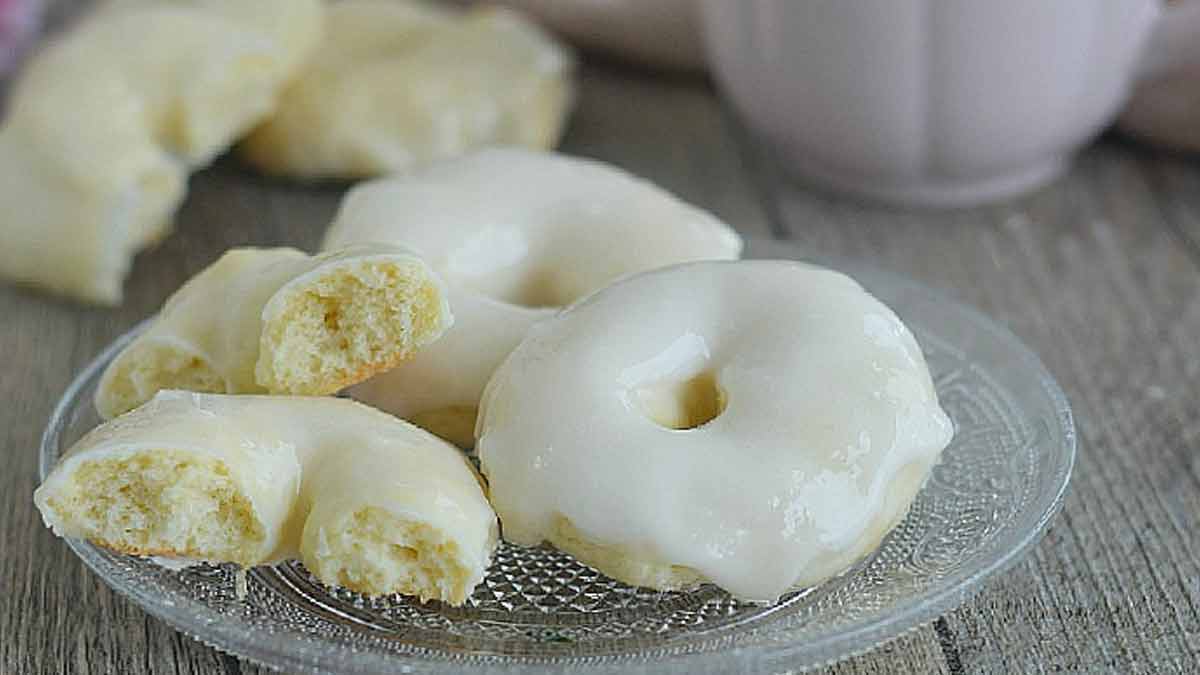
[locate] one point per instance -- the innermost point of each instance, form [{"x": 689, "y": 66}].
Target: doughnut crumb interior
[
  {"x": 347, "y": 324},
  {"x": 160, "y": 502},
  {"x": 153, "y": 367},
  {"x": 366, "y": 501},
  {"x": 374, "y": 552},
  {"x": 280, "y": 321}
]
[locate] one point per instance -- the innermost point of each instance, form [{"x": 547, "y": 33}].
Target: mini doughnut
[
  {"x": 106, "y": 122},
  {"x": 283, "y": 322},
  {"x": 757, "y": 424},
  {"x": 516, "y": 234},
  {"x": 400, "y": 83},
  {"x": 368, "y": 502}
]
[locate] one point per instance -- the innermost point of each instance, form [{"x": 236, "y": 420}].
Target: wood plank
[
  {"x": 1089, "y": 273},
  {"x": 1176, "y": 185},
  {"x": 917, "y": 652}
]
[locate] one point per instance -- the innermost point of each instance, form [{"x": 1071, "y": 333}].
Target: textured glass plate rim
[{"x": 282, "y": 652}]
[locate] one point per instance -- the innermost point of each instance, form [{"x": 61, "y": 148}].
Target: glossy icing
[
  {"x": 303, "y": 462},
  {"x": 828, "y": 424},
  {"x": 217, "y": 317},
  {"x": 515, "y": 234},
  {"x": 107, "y": 120},
  {"x": 399, "y": 84}
]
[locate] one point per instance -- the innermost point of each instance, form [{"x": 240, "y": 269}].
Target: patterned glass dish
[{"x": 1000, "y": 482}]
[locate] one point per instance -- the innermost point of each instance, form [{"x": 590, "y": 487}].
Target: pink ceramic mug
[{"x": 938, "y": 102}]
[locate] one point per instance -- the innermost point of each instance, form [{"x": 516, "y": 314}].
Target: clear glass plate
[{"x": 1001, "y": 481}]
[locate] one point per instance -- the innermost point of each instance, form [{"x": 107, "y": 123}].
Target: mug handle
[{"x": 1174, "y": 42}]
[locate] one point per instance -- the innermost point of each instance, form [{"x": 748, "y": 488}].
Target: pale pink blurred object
[
  {"x": 19, "y": 21},
  {"x": 939, "y": 104},
  {"x": 1165, "y": 109}
]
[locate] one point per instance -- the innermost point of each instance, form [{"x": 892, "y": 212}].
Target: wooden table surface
[{"x": 1098, "y": 273}]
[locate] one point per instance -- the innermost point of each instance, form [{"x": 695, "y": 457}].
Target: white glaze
[
  {"x": 107, "y": 120},
  {"x": 506, "y": 226},
  {"x": 401, "y": 83},
  {"x": 301, "y": 462},
  {"x": 827, "y": 397},
  {"x": 218, "y": 316}
]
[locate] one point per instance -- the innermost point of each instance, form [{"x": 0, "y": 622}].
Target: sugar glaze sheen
[{"x": 759, "y": 424}]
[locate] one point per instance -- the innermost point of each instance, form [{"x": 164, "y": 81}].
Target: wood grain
[
  {"x": 1176, "y": 187},
  {"x": 1099, "y": 273}
]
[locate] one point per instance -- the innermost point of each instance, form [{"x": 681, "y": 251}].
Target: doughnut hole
[
  {"x": 504, "y": 264},
  {"x": 682, "y": 404},
  {"x": 535, "y": 287}
]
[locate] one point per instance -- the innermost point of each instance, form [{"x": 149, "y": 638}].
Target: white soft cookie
[
  {"x": 400, "y": 83},
  {"x": 368, "y": 502},
  {"x": 107, "y": 121},
  {"x": 757, "y": 424},
  {"x": 280, "y": 321},
  {"x": 516, "y": 235}
]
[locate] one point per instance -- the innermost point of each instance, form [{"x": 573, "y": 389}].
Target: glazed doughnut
[
  {"x": 401, "y": 83},
  {"x": 516, "y": 235},
  {"x": 368, "y": 502},
  {"x": 757, "y": 424},
  {"x": 283, "y": 322},
  {"x": 106, "y": 122}
]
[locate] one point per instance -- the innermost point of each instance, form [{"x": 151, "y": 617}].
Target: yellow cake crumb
[
  {"x": 375, "y": 552},
  {"x": 348, "y": 324},
  {"x": 160, "y": 502}
]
